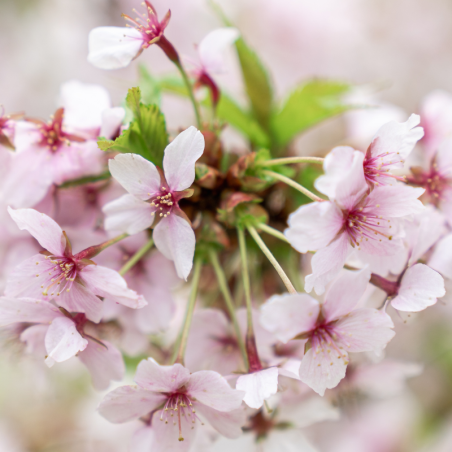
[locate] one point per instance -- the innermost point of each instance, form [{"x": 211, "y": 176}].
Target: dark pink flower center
[
  {"x": 163, "y": 203},
  {"x": 59, "y": 272},
  {"x": 327, "y": 339},
  {"x": 179, "y": 408},
  {"x": 435, "y": 183},
  {"x": 376, "y": 168}
]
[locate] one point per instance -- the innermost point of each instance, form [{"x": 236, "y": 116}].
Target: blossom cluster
[{"x": 121, "y": 240}]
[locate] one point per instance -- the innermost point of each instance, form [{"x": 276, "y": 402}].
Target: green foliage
[
  {"x": 309, "y": 104},
  {"x": 146, "y": 135},
  {"x": 151, "y": 91}
]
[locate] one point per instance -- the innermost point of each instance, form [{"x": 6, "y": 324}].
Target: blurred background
[{"x": 398, "y": 51}]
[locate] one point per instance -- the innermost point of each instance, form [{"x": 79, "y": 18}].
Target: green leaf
[
  {"x": 151, "y": 92},
  {"x": 146, "y": 135},
  {"x": 257, "y": 83},
  {"x": 309, "y": 104}
]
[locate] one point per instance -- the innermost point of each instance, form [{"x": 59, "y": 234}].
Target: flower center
[
  {"x": 363, "y": 224},
  {"x": 378, "y": 167},
  {"x": 324, "y": 340},
  {"x": 178, "y": 408},
  {"x": 163, "y": 203},
  {"x": 435, "y": 183},
  {"x": 60, "y": 273},
  {"x": 52, "y": 135},
  {"x": 147, "y": 24}
]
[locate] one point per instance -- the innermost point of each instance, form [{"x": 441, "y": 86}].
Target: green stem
[
  {"x": 272, "y": 231},
  {"x": 181, "y": 342},
  {"x": 136, "y": 257},
  {"x": 271, "y": 258},
  {"x": 289, "y": 160},
  {"x": 190, "y": 92},
  {"x": 93, "y": 251},
  {"x": 229, "y": 303},
  {"x": 293, "y": 184}
]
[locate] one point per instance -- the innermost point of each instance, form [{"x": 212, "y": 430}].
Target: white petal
[
  {"x": 136, "y": 174},
  {"x": 111, "y": 122},
  {"x": 211, "y": 49},
  {"x": 419, "y": 288},
  {"x": 180, "y": 157},
  {"x": 259, "y": 386},
  {"x": 175, "y": 239},
  {"x": 27, "y": 310},
  {"x": 113, "y": 47}
]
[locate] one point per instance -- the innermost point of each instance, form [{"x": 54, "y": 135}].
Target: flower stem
[
  {"x": 272, "y": 231},
  {"x": 289, "y": 160},
  {"x": 93, "y": 251},
  {"x": 190, "y": 92},
  {"x": 293, "y": 184},
  {"x": 181, "y": 342},
  {"x": 271, "y": 258},
  {"x": 136, "y": 257},
  {"x": 229, "y": 304},
  {"x": 251, "y": 348}
]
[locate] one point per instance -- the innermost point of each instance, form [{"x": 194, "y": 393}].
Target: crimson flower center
[
  {"x": 58, "y": 274},
  {"x": 435, "y": 183},
  {"x": 379, "y": 166},
  {"x": 163, "y": 203},
  {"x": 326, "y": 339}
]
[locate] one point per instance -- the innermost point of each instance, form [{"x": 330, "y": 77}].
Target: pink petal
[
  {"x": 143, "y": 440},
  {"x": 327, "y": 263},
  {"x": 175, "y": 239},
  {"x": 364, "y": 330},
  {"x": 245, "y": 443},
  {"x": 34, "y": 337},
  {"x": 180, "y": 157},
  {"x": 45, "y": 230},
  {"x": 259, "y": 386},
  {"x": 111, "y": 122},
  {"x": 81, "y": 299},
  {"x": 291, "y": 440},
  {"x": 227, "y": 424},
  {"x": 396, "y": 201},
  {"x": 104, "y": 363},
  {"x": 113, "y": 47},
  {"x": 129, "y": 402},
  {"x": 27, "y": 310},
  {"x": 128, "y": 214},
  {"x": 63, "y": 341},
  {"x": 136, "y": 174},
  {"x": 443, "y": 158},
  {"x": 419, "y": 288},
  {"x": 321, "y": 371},
  {"x": 313, "y": 226},
  {"x": 211, "y": 49},
  {"x": 290, "y": 368},
  {"x": 105, "y": 282},
  {"x": 336, "y": 165},
  {"x": 344, "y": 293},
  {"x": 394, "y": 141},
  {"x": 441, "y": 259},
  {"x": 288, "y": 315},
  {"x": 211, "y": 389},
  {"x": 154, "y": 377}
]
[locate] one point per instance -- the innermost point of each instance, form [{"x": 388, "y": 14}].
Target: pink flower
[
  {"x": 154, "y": 195},
  {"x": 333, "y": 329},
  {"x": 74, "y": 281},
  {"x": 116, "y": 47},
  {"x": 63, "y": 337},
  {"x": 388, "y": 150},
  {"x": 178, "y": 398},
  {"x": 353, "y": 218},
  {"x": 258, "y": 386}
]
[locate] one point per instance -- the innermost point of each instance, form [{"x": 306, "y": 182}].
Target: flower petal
[
  {"x": 154, "y": 377},
  {"x": 111, "y": 122},
  {"x": 344, "y": 293},
  {"x": 288, "y": 315},
  {"x": 290, "y": 440},
  {"x": 313, "y": 226},
  {"x": 175, "y": 239},
  {"x": 113, "y": 47},
  {"x": 128, "y": 402},
  {"x": 104, "y": 363},
  {"x": 35, "y": 337},
  {"x": 26, "y": 310},
  {"x": 441, "y": 259},
  {"x": 211, "y": 389},
  {"x": 136, "y": 174},
  {"x": 105, "y": 282},
  {"x": 419, "y": 288},
  {"x": 211, "y": 49},
  {"x": 180, "y": 157},
  {"x": 63, "y": 341},
  {"x": 45, "y": 230},
  {"x": 259, "y": 386},
  {"x": 229, "y": 424},
  {"x": 128, "y": 214}
]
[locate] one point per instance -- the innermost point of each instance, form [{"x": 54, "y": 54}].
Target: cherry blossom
[
  {"x": 154, "y": 195},
  {"x": 179, "y": 400},
  {"x": 116, "y": 47},
  {"x": 74, "y": 281},
  {"x": 258, "y": 385},
  {"x": 352, "y": 219},
  {"x": 388, "y": 150},
  {"x": 59, "y": 336},
  {"x": 333, "y": 328}
]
